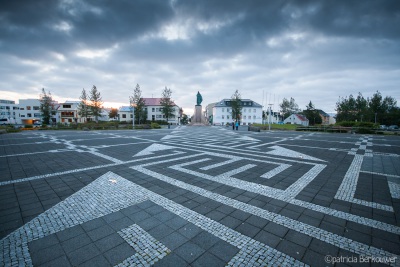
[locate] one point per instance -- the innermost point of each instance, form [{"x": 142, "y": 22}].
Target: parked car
[
  {"x": 383, "y": 127},
  {"x": 393, "y": 127}
]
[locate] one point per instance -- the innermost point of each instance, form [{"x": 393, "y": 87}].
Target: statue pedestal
[{"x": 198, "y": 116}]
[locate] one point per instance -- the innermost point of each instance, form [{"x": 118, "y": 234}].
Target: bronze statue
[{"x": 199, "y": 98}]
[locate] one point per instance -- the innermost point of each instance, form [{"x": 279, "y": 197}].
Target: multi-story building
[
  {"x": 29, "y": 111},
  {"x": 67, "y": 112},
  {"x": 154, "y": 111},
  {"x": 209, "y": 112},
  {"x": 8, "y": 112},
  {"x": 251, "y": 112}
]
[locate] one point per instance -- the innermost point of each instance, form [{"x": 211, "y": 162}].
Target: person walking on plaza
[
  {"x": 237, "y": 125},
  {"x": 233, "y": 125}
]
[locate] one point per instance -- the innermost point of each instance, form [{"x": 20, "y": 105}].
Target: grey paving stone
[
  {"x": 172, "y": 260},
  {"x": 75, "y": 243},
  {"x": 208, "y": 259},
  {"x": 205, "y": 240},
  {"x": 45, "y": 242},
  {"x": 109, "y": 242},
  {"x": 70, "y": 233},
  {"x": 100, "y": 232},
  {"x": 174, "y": 240},
  {"x": 119, "y": 253},
  {"x": 59, "y": 262},
  {"x": 160, "y": 231},
  {"x": 189, "y": 230},
  {"x": 189, "y": 252},
  {"x": 223, "y": 251},
  {"x": 83, "y": 254},
  {"x": 42, "y": 256}
]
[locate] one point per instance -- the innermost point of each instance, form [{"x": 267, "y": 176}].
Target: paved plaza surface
[{"x": 199, "y": 196}]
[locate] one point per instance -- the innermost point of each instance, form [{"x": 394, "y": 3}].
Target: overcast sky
[{"x": 308, "y": 50}]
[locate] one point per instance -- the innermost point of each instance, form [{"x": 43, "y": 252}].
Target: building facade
[
  {"x": 154, "y": 111},
  {"x": 67, "y": 113},
  {"x": 296, "y": 119},
  {"x": 9, "y": 112},
  {"x": 29, "y": 111},
  {"x": 251, "y": 112},
  {"x": 125, "y": 114}
]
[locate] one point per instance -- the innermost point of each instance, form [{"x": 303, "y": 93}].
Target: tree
[
  {"x": 46, "y": 106},
  {"x": 346, "y": 109},
  {"x": 288, "y": 107},
  {"x": 95, "y": 103},
  {"x": 374, "y": 109},
  {"x": 312, "y": 114},
  {"x": 236, "y": 105},
  {"x": 166, "y": 103},
  {"x": 137, "y": 102},
  {"x": 113, "y": 113},
  {"x": 84, "y": 106},
  {"x": 184, "y": 119}
]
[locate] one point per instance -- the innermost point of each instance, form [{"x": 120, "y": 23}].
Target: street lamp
[{"x": 269, "y": 117}]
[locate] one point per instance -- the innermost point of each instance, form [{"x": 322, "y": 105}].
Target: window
[
  {"x": 28, "y": 107},
  {"x": 227, "y": 117},
  {"x": 131, "y": 116},
  {"x": 244, "y": 117},
  {"x": 254, "y": 110},
  {"x": 124, "y": 116},
  {"x": 22, "y": 109},
  {"x": 23, "y": 116},
  {"x": 2, "y": 107},
  {"x": 223, "y": 110},
  {"x": 254, "y": 117},
  {"x": 244, "y": 110},
  {"x": 29, "y": 115},
  {"x": 152, "y": 109},
  {"x": 223, "y": 117},
  {"x": 35, "y": 108},
  {"x": 228, "y": 110},
  {"x": 66, "y": 106}
]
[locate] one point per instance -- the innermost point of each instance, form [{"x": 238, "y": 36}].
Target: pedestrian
[
  {"x": 237, "y": 125},
  {"x": 233, "y": 125}
]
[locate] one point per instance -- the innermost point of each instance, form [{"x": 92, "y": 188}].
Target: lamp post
[{"x": 269, "y": 117}]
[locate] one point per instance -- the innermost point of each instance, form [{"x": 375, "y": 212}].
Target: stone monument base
[{"x": 198, "y": 118}]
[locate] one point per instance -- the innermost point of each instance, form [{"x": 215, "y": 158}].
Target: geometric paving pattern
[{"x": 195, "y": 196}]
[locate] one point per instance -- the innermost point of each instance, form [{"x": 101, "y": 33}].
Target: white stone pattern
[
  {"x": 108, "y": 194},
  {"x": 348, "y": 186},
  {"x": 315, "y": 232},
  {"x": 148, "y": 249},
  {"x": 277, "y": 194}
]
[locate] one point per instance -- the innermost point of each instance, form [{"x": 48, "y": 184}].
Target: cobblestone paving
[{"x": 195, "y": 196}]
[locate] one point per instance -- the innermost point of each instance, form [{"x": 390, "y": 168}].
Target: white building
[
  {"x": 125, "y": 114},
  {"x": 29, "y": 111},
  {"x": 251, "y": 112},
  {"x": 154, "y": 111},
  {"x": 296, "y": 119},
  {"x": 8, "y": 112},
  {"x": 67, "y": 113}
]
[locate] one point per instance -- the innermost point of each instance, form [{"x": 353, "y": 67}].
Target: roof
[
  {"x": 301, "y": 117},
  {"x": 125, "y": 109},
  {"x": 223, "y": 102},
  {"x": 154, "y": 102},
  {"x": 323, "y": 113}
]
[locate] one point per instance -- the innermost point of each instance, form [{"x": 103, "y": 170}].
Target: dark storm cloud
[{"x": 293, "y": 48}]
